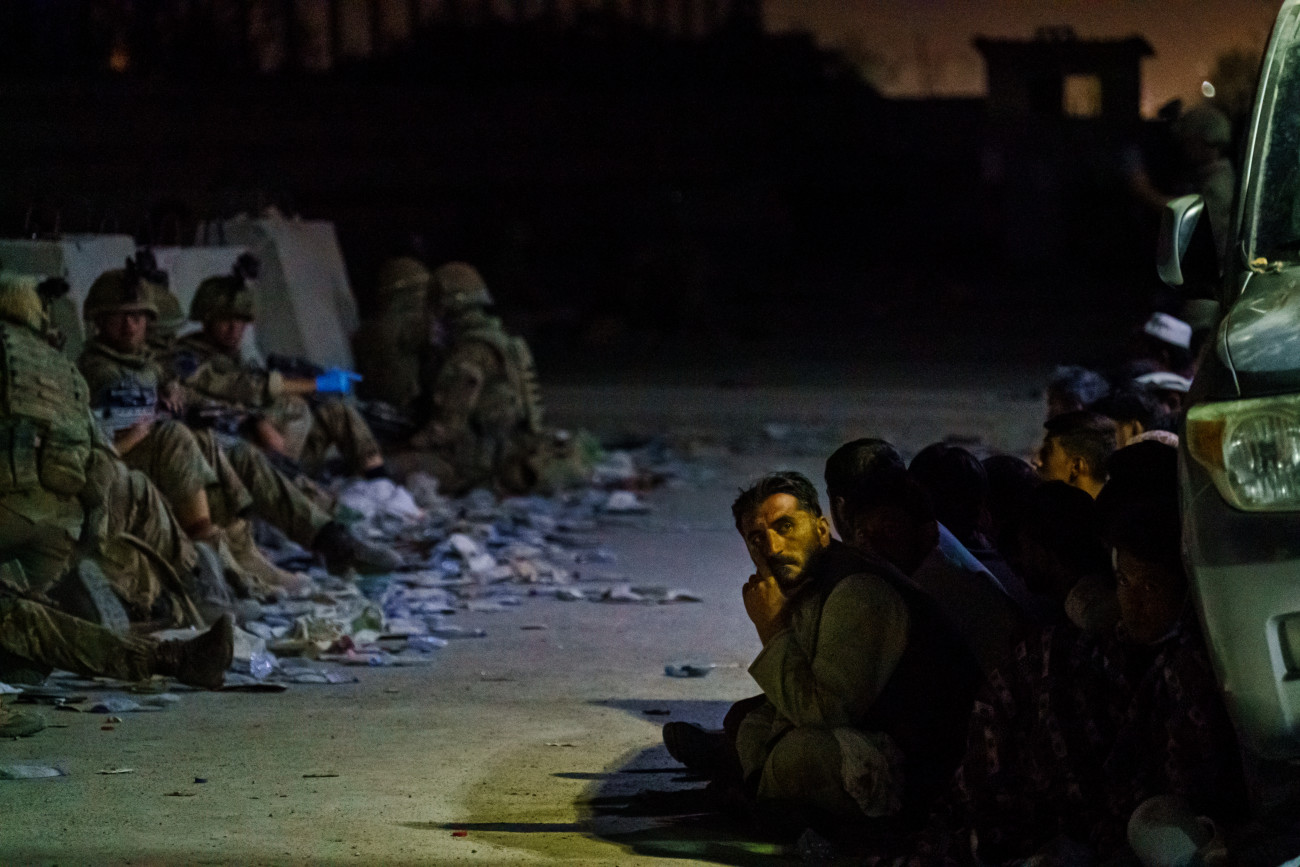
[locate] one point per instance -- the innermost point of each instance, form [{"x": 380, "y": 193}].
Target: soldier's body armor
[
  {"x": 45, "y": 434},
  {"x": 517, "y": 359}
]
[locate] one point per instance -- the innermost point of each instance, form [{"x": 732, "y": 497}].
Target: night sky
[{"x": 1187, "y": 35}]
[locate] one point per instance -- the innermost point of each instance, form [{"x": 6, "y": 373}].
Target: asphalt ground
[{"x": 535, "y": 743}]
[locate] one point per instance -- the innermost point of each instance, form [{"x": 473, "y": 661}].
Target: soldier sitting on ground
[
  {"x": 48, "y": 483},
  {"x": 242, "y": 481},
  {"x": 278, "y": 416},
  {"x": 391, "y": 346},
  {"x": 485, "y": 413},
  {"x": 127, "y": 389}
]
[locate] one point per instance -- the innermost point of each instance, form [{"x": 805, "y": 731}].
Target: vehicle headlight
[{"x": 1251, "y": 449}]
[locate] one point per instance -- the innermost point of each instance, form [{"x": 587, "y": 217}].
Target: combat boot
[
  {"x": 19, "y": 724},
  {"x": 342, "y": 550},
  {"x": 200, "y": 661},
  {"x": 271, "y": 578}
]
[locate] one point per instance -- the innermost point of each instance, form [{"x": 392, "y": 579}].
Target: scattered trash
[
  {"x": 51, "y": 695},
  {"x": 200, "y": 779},
  {"x": 560, "y": 744},
  {"x": 317, "y": 776},
  {"x": 474, "y": 554},
  {"x": 378, "y": 499},
  {"x": 112, "y": 719},
  {"x": 180, "y": 794},
  {"x": 30, "y": 772},
  {"x": 622, "y": 593},
  {"x": 624, "y": 503},
  {"x": 117, "y": 704},
  {"x": 261, "y": 663},
  {"x": 460, "y": 833},
  {"x": 450, "y": 632},
  {"x": 107, "y": 728},
  {"x": 112, "y": 771},
  {"x": 688, "y": 669}
]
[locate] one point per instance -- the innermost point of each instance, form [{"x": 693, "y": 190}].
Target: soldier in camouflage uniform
[
  {"x": 47, "y": 483},
  {"x": 279, "y": 417},
  {"x": 247, "y": 481},
  {"x": 485, "y": 427},
  {"x": 125, "y": 385},
  {"x": 391, "y": 345}
]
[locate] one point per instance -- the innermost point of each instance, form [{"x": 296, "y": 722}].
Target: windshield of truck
[{"x": 1275, "y": 221}]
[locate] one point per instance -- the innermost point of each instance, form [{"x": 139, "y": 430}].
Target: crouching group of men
[
  {"x": 131, "y": 475},
  {"x": 989, "y": 665}
]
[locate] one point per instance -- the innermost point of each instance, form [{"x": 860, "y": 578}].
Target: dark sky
[{"x": 925, "y": 45}]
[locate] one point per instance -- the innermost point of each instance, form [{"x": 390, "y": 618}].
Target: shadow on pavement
[
  {"x": 654, "y": 807},
  {"x": 672, "y": 817}
]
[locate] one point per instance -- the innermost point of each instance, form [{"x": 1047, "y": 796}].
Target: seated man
[
  {"x": 485, "y": 424},
  {"x": 126, "y": 390},
  {"x": 1073, "y": 388},
  {"x": 392, "y": 346},
  {"x": 1119, "y": 717},
  {"x": 881, "y": 510},
  {"x": 1075, "y": 449},
  {"x": 852, "y": 670},
  {"x": 1064, "y": 563},
  {"x": 212, "y": 370},
  {"x": 1135, "y": 409}
]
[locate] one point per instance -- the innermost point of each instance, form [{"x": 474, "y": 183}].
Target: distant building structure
[
  {"x": 1060, "y": 112},
  {"x": 1057, "y": 74}
]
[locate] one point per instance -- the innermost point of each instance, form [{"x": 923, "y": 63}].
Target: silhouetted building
[
  {"x": 1060, "y": 113},
  {"x": 1058, "y": 74}
]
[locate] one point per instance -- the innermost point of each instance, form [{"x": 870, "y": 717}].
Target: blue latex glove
[{"x": 336, "y": 380}]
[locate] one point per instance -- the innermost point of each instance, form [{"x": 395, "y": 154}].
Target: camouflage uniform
[
  {"x": 37, "y": 638},
  {"x": 212, "y": 375},
  {"x": 244, "y": 478},
  {"x": 57, "y": 466},
  {"x": 390, "y": 346},
  {"x": 486, "y": 422},
  {"x": 47, "y": 437},
  {"x": 169, "y": 455}
]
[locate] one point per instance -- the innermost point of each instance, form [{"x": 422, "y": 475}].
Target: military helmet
[
  {"x": 402, "y": 274},
  {"x": 459, "y": 286},
  {"x": 120, "y": 290},
  {"x": 1204, "y": 123},
  {"x": 170, "y": 315},
  {"x": 20, "y": 303},
  {"x": 228, "y": 296}
]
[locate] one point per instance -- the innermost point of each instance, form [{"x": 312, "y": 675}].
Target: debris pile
[{"x": 472, "y": 554}]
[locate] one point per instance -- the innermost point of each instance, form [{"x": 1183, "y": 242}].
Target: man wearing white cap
[{"x": 1166, "y": 341}]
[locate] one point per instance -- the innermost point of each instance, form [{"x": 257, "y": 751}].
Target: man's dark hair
[
  {"x": 1077, "y": 384},
  {"x": 1086, "y": 435},
  {"x": 1135, "y": 403},
  {"x": 1139, "y": 504},
  {"x": 1064, "y": 520},
  {"x": 785, "y": 482},
  {"x": 857, "y": 461},
  {"x": 1011, "y": 484},
  {"x": 891, "y": 487},
  {"x": 957, "y": 484}
]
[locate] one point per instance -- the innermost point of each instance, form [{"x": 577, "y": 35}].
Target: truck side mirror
[{"x": 1186, "y": 255}]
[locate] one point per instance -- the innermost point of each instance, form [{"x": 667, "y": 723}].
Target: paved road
[{"x": 521, "y": 739}]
